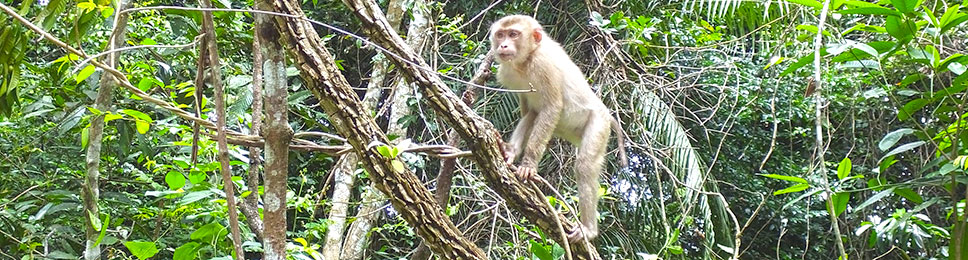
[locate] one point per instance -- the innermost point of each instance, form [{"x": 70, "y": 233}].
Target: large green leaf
[
  {"x": 906, "y": 6},
  {"x": 900, "y": 28},
  {"x": 141, "y": 249}
]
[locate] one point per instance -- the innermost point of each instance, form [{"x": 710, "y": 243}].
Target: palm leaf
[{"x": 683, "y": 162}]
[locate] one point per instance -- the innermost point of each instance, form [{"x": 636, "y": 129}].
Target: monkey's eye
[
  {"x": 499, "y": 35},
  {"x": 513, "y": 34}
]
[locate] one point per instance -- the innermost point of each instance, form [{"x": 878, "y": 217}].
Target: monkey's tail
[{"x": 623, "y": 159}]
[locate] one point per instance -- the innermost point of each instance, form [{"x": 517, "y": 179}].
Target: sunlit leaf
[
  {"x": 794, "y": 188},
  {"x": 141, "y": 249}
]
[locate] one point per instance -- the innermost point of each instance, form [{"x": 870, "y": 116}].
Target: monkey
[{"x": 562, "y": 104}]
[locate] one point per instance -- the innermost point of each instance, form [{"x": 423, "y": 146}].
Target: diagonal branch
[
  {"x": 476, "y": 131},
  {"x": 405, "y": 191}
]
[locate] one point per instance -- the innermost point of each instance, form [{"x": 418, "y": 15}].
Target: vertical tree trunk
[
  {"x": 340, "y": 204},
  {"x": 277, "y": 136},
  {"x": 213, "y": 75},
  {"x": 90, "y": 193},
  {"x": 250, "y": 207}
]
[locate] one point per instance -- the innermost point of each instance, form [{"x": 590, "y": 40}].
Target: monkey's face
[
  {"x": 514, "y": 42},
  {"x": 506, "y": 42}
]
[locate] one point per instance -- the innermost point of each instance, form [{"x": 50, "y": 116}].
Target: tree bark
[
  {"x": 476, "y": 131},
  {"x": 250, "y": 207},
  {"x": 336, "y": 97},
  {"x": 214, "y": 76},
  {"x": 344, "y": 179},
  {"x": 90, "y": 193},
  {"x": 278, "y": 135},
  {"x": 356, "y": 236}
]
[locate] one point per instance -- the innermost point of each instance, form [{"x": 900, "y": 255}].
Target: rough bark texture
[
  {"x": 214, "y": 77},
  {"x": 278, "y": 135},
  {"x": 406, "y": 192},
  {"x": 476, "y": 131},
  {"x": 90, "y": 193},
  {"x": 445, "y": 177},
  {"x": 356, "y": 235}
]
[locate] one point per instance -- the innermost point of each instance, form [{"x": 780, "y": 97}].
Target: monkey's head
[{"x": 514, "y": 37}]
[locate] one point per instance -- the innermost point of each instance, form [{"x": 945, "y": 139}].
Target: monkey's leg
[{"x": 588, "y": 168}]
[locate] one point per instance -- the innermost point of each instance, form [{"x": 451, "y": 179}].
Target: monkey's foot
[
  {"x": 526, "y": 173},
  {"x": 581, "y": 233}
]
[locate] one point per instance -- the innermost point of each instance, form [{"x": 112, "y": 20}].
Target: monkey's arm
[
  {"x": 519, "y": 137},
  {"x": 542, "y": 128}
]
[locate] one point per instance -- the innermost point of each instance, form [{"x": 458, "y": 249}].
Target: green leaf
[
  {"x": 843, "y": 169},
  {"x": 148, "y": 41},
  {"x": 871, "y": 11},
  {"x": 911, "y": 79},
  {"x": 137, "y": 114},
  {"x": 840, "y": 200},
  {"x": 785, "y": 178},
  {"x": 385, "y": 151},
  {"x": 952, "y": 18},
  {"x": 107, "y": 12},
  {"x": 909, "y": 194},
  {"x": 540, "y": 251},
  {"x": 910, "y": 108},
  {"x": 802, "y": 61},
  {"x": 209, "y": 232},
  {"x": 906, "y": 6},
  {"x": 142, "y": 126},
  {"x": 112, "y": 117},
  {"x": 85, "y": 135},
  {"x": 808, "y": 3},
  {"x": 902, "y": 148},
  {"x": 891, "y": 138},
  {"x": 901, "y": 29},
  {"x": 197, "y": 177},
  {"x": 875, "y": 198},
  {"x": 84, "y": 73},
  {"x": 87, "y": 6},
  {"x": 928, "y": 55},
  {"x": 188, "y": 251},
  {"x": 175, "y": 180},
  {"x": 794, "y": 188},
  {"x": 103, "y": 230},
  {"x": 141, "y": 249}
]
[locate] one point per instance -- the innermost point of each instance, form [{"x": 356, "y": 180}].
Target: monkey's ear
[{"x": 537, "y": 35}]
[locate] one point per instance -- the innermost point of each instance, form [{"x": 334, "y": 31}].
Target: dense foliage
[{"x": 737, "y": 149}]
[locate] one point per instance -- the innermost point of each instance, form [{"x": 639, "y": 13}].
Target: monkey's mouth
[{"x": 505, "y": 56}]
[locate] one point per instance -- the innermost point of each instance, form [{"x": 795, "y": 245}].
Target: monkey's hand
[
  {"x": 526, "y": 173},
  {"x": 581, "y": 233}
]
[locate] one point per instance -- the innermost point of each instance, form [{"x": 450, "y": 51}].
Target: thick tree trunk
[
  {"x": 352, "y": 121},
  {"x": 477, "y": 132},
  {"x": 90, "y": 193},
  {"x": 278, "y": 135}
]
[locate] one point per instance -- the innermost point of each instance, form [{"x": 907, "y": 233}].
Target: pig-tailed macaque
[{"x": 562, "y": 105}]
